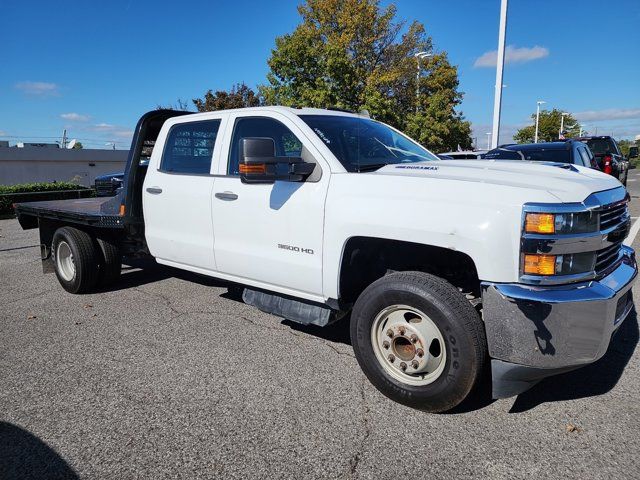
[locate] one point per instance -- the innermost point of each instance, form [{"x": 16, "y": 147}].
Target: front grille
[
  {"x": 613, "y": 215},
  {"x": 614, "y": 220},
  {"x": 607, "y": 258}
]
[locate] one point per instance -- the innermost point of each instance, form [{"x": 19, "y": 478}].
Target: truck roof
[{"x": 294, "y": 110}]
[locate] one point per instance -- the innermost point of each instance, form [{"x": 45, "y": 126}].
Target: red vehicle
[{"x": 608, "y": 155}]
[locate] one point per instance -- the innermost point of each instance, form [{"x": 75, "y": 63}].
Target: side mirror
[
  {"x": 633, "y": 152},
  {"x": 259, "y": 163}
]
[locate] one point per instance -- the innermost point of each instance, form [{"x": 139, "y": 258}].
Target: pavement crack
[
  {"x": 356, "y": 458},
  {"x": 335, "y": 349},
  {"x": 179, "y": 313}
]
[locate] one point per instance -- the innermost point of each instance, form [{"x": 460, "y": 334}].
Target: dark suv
[
  {"x": 566, "y": 151},
  {"x": 608, "y": 155}
]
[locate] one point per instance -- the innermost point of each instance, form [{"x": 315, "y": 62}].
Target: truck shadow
[
  {"x": 23, "y": 455},
  {"x": 590, "y": 381},
  {"x": 143, "y": 271}
]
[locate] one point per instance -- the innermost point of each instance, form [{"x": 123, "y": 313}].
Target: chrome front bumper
[{"x": 534, "y": 332}]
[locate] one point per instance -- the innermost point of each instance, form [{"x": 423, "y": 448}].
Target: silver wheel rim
[
  {"x": 64, "y": 260},
  {"x": 408, "y": 345}
]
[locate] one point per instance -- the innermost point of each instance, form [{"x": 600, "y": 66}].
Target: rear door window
[{"x": 189, "y": 147}]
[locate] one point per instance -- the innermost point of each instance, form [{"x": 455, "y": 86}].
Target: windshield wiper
[{"x": 371, "y": 167}]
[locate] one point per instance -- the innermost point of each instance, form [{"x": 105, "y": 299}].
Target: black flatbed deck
[{"x": 98, "y": 212}]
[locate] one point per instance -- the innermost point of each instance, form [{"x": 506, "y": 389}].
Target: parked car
[
  {"x": 446, "y": 267},
  {"x": 565, "y": 151},
  {"x": 109, "y": 184},
  {"x": 464, "y": 155},
  {"x": 608, "y": 155}
]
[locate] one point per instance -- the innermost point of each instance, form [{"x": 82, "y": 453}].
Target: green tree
[
  {"x": 624, "y": 146},
  {"x": 180, "y": 105},
  {"x": 78, "y": 145},
  {"x": 351, "y": 54},
  {"x": 549, "y": 127},
  {"x": 239, "y": 96}
]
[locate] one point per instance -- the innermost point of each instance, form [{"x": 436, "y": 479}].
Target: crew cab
[
  {"x": 608, "y": 155},
  {"x": 443, "y": 268}
]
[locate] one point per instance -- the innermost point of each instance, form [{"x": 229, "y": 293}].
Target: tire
[
  {"x": 76, "y": 260},
  {"x": 450, "y": 373},
  {"x": 110, "y": 264}
]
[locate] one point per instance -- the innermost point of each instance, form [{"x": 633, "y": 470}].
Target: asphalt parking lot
[{"x": 169, "y": 375}]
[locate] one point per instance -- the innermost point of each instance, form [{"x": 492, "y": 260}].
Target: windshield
[
  {"x": 600, "y": 146},
  {"x": 362, "y": 145},
  {"x": 542, "y": 155}
]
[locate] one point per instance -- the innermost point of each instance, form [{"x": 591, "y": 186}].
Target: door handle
[
  {"x": 154, "y": 190},
  {"x": 226, "y": 196}
]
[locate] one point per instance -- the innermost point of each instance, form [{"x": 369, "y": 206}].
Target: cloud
[
  {"x": 102, "y": 127},
  {"x": 42, "y": 89},
  {"x": 608, "y": 114},
  {"x": 512, "y": 55},
  {"x": 113, "y": 132},
  {"x": 74, "y": 117}
]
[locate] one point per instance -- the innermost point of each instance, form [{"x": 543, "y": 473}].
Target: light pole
[
  {"x": 497, "y": 99},
  {"x": 419, "y": 56},
  {"x": 489, "y": 140},
  {"x": 562, "y": 115},
  {"x": 538, "y": 103}
]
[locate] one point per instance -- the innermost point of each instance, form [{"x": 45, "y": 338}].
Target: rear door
[
  {"x": 177, "y": 194},
  {"x": 270, "y": 235}
]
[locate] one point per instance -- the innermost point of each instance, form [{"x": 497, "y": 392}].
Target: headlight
[
  {"x": 567, "y": 264},
  {"x": 561, "y": 223}
]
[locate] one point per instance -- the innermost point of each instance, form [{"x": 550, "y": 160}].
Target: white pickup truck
[{"x": 445, "y": 267}]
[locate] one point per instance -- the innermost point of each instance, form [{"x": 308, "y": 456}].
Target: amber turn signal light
[
  {"x": 256, "y": 169},
  {"x": 539, "y": 264},
  {"x": 540, "y": 223}
]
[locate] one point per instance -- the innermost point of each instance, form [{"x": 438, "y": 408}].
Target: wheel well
[
  {"x": 48, "y": 227},
  {"x": 367, "y": 259}
]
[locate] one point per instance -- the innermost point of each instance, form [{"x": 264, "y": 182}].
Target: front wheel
[{"x": 418, "y": 340}]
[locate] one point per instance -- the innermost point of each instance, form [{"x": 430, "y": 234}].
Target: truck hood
[{"x": 568, "y": 183}]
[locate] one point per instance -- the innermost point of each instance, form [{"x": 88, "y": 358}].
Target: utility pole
[
  {"x": 497, "y": 100},
  {"x": 418, "y": 56},
  {"x": 538, "y": 103}
]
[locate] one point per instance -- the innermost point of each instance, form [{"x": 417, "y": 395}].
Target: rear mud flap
[{"x": 47, "y": 259}]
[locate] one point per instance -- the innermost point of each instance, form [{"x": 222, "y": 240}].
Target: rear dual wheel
[
  {"x": 418, "y": 340},
  {"x": 83, "y": 262}
]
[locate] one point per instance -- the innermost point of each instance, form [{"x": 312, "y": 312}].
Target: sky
[{"x": 95, "y": 67}]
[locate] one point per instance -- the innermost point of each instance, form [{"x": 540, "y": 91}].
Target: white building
[{"x": 36, "y": 164}]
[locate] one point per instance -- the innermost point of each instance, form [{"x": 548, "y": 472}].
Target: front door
[
  {"x": 270, "y": 234},
  {"x": 177, "y": 196}
]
